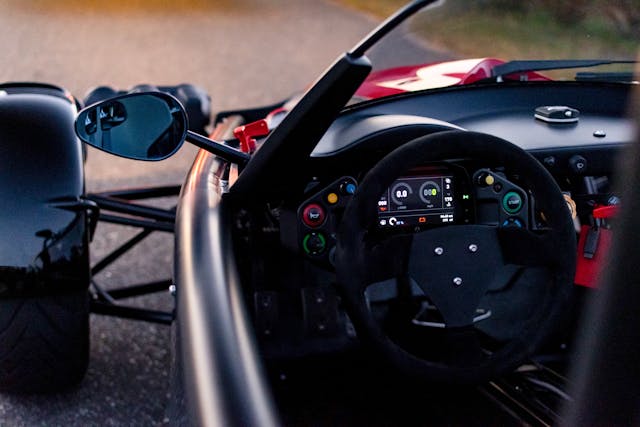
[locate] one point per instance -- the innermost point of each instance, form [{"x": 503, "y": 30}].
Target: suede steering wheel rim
[{"x": 358, "y": 262}]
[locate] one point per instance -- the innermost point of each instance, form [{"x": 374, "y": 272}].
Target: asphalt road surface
[{"x": 244, "y": 53}]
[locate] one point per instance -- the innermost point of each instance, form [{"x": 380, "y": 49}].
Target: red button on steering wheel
[{"x": 313, "y": 215}]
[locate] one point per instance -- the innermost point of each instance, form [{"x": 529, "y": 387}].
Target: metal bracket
[{"x": 481, "y": 314}]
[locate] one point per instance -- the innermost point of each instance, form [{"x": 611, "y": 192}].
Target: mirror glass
[{"x": 141, "y": 126}]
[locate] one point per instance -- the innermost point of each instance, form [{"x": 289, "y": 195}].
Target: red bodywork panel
[{"x": 434, "y": 75}]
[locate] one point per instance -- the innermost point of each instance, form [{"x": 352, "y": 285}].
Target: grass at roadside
[{"x": 473, "y": 31}]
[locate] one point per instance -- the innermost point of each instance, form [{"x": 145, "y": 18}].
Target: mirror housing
[{"x": 141, "y": 126}]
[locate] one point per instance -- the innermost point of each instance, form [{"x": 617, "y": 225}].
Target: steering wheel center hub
[{"x": 456, "y": 280}]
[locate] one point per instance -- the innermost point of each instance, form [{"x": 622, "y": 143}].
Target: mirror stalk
[
  {"x": 231, "y": 154},
  {"x": 145, "y": 126}
]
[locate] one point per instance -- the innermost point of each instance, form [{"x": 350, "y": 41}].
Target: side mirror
[{"x": 140, "y": 126}]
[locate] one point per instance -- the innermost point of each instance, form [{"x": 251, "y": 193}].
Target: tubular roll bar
[{"x": 224, "y": 380}]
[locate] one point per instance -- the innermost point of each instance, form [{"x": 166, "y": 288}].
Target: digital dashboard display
[{"x": 418, "y": 201}]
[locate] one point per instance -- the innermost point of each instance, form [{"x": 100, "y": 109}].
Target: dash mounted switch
[{"x": 246, "y": 134}]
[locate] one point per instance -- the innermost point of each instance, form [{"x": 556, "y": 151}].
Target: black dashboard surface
[{"x": 503, "y": 110}]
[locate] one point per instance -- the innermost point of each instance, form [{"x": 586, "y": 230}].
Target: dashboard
[
  {"x": 297, "y": 259},
  {"x": 506, "y": 111}
]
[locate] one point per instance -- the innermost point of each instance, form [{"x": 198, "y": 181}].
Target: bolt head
[
  {"x": 438, "y": 251},
  {"x": 457, "y": 281},
  {"x": 473, "y": 248}
]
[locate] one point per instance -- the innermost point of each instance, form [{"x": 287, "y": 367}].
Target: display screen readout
[{"x": 417, "y": 200}]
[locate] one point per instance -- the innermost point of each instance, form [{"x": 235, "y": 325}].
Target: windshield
[{"x": 461, "y": 42}]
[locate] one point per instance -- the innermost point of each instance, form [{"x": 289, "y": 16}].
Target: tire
[{"x": 44, "y": 342}]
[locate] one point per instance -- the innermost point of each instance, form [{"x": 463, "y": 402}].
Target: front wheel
[{"x": 44, "y": 342}]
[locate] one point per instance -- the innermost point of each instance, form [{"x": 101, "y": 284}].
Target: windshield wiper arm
[{"x": 514, "y": 67}]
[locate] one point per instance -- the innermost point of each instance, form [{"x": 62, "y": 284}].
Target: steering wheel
[{"x": 456, "y": 267}]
